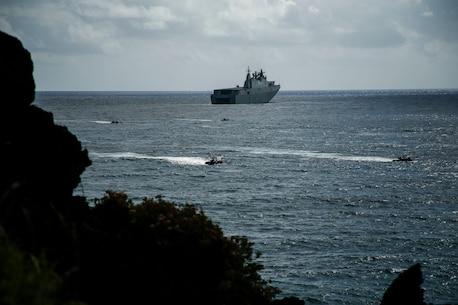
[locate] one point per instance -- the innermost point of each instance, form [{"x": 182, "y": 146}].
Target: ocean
[{"x": 309, "y": 178}]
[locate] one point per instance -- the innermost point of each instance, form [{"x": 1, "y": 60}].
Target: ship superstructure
[{"x": 256, "y": 89}]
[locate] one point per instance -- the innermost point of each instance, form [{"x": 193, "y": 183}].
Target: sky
[{"x": 201, "y": 45}]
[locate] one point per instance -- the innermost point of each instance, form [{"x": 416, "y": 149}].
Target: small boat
[
  {"x": 403, "y": 159},
  {"x": 214, "y": 161}
]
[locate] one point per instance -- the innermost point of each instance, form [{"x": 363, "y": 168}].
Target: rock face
[
  {"x": 406, "y": 289},
  {"x": 37, "y": 155},
  {"x": 16, "y": 79},
  {"x": 40, "y": 162}
]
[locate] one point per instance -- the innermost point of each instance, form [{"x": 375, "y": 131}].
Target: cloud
[
  {"x": 140, "y": 16},
  {"x": 351, "y": 23},
  {"x": 314, "y": 10},
  {"x": 145, "y": 38}
]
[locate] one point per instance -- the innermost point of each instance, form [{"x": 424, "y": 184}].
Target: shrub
[
  {"x": 27, "y": 279},
  {"x": 168, "y": 253}
]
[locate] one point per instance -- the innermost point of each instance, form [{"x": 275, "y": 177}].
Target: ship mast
[{"x": 247, "y": 80}]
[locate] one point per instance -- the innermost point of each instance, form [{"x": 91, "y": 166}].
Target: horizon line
[{"x": 283, "y": 90}]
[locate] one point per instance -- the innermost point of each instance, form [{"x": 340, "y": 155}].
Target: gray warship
[{"x": 256, "y": 89}]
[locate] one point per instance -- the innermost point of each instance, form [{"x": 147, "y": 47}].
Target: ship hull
[{"x": 244, "y": 96}]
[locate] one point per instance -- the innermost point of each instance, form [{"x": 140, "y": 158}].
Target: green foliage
[
  {"x": 112, "y": 211},
  {"x": 118, "y": 252},
  {"x": 26, "y": 279},
  {"x": 170, "y": 254}
]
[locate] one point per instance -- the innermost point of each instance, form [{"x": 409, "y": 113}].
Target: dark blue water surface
[{"x": 309, "y": 178}]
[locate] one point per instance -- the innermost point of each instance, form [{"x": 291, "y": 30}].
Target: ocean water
[{"x": 308, "y": 177}]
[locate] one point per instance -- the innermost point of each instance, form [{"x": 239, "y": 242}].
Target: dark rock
[
  {"x": 38, "y": 157},
  {"x": 40, "y": 162},
  {"x": 406, "y": 288},
  {"x": 288, "y": 301},
  {"x": 17, "y": 86},
  {"x": 36, "y": 154}
]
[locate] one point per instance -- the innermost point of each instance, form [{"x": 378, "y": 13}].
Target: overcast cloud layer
[{"x": 205, "y": 44}]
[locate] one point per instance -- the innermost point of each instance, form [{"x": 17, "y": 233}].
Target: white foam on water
[
  {"x": 184, "y": 160},
  {"x": 122, "y": 155},
  {"x": 195, "y": 120},
  {"x": 365, "y": 158},
  {"x": 318, "y": 155},
  {"x": 174, "y": 160},
  {"x": 101, "y": 122}
]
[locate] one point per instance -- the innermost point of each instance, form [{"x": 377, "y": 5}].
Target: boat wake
[
  {"x": 174, "y": 160},
  {"x": 101, "y": 122},
  {"x": 318, "y": 155},
  {"x": 184, "y": 160},
  {"x": 195, "y": 120},
  {"x": 265, "y": 151}
]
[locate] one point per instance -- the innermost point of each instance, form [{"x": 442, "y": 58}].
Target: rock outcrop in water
[{"x": 406, "y": 288}]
